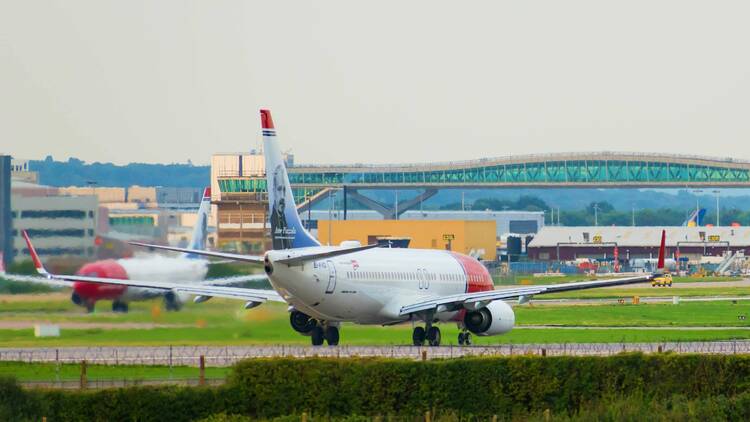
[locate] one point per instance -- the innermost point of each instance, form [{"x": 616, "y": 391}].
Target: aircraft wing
[
  {"x": 233, "y": 281},
  {"x": 478, "y": 300},
  {"x": 252, "y": 296},
  {"x": 32, "y": 279},
  {"x": 207, "y": 291}
]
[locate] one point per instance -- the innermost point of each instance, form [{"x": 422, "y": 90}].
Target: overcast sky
[{"x": 378, "y": 81}]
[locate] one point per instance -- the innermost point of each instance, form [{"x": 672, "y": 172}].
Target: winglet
[
  {"x": 662, "y": 249},
  {"x": 206, "y": 193},
  {"x": 34, "y": 257}
]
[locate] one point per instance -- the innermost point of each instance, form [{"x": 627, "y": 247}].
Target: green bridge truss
[{"x": 552, "y": 170}]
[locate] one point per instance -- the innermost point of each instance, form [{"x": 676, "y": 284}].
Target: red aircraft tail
[{"x": 662, "y": 249}]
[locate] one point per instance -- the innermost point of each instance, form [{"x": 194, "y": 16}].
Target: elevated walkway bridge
[{"x": 559, "y": 170}]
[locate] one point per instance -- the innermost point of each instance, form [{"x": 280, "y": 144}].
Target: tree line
[{"x": 604, "y": 213}]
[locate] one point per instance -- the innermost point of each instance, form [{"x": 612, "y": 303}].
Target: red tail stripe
[
  {"x": 265, "y": 119},
  {"x": 660, "y": 264}
]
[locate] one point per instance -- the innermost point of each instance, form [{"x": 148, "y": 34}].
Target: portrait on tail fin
[{"x": 281, "y": 233}]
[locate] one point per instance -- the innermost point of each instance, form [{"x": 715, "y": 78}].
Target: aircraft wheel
[
  {"x": 317, "y": 335},
  {"x": 467, "y": 339},
  {"x": 332, "y": 335},
  {"x": 433, "y": 336},
  {"x": 461, "y": 339},
  {"x": 418, "y": 336},
  {"x": 119, "y": 307}
]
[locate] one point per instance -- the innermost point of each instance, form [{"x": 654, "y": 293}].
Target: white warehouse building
[{"x": 58, "y": 225}]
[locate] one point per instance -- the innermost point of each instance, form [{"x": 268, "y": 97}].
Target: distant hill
[{"x": 75, "y": 172}]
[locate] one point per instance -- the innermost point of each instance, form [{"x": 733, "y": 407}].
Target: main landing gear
[
  {"x": 118, "y": 306},
  {"x": 325, "y": 333},
  {"x": 431, "y": 334}
]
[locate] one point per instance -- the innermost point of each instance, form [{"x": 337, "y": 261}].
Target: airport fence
[
  {"x": 229, "y": 355},
  {"x": 94, "y": 384}
]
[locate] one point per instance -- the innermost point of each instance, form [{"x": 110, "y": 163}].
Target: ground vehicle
[{"x": 662, "y": 281}]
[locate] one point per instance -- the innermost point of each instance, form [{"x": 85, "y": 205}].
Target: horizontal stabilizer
[
  {"x": 225, "y": 255},
  {"x": 299, "y": 259}
]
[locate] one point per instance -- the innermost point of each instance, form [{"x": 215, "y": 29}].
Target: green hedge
[
  {"x": 479, "y": 386},
  {"x": 524, "y": 387}
]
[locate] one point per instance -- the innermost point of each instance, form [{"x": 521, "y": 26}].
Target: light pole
[
  {"x": 551, "y": 216},
  {"x": 596, "y": 219},
  {"x": 717, "y": 192},
  {"x": 697, "y": 207}
]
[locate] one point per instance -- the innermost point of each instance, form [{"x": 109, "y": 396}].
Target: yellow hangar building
[{"x": 475, "y": 238}]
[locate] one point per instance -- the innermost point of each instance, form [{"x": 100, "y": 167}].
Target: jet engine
[
  {"x": 302, "y": 323},
  {"x": 495, "y": 318}
]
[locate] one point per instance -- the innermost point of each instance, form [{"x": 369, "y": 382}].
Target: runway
[{"x": 228, "y": 355}]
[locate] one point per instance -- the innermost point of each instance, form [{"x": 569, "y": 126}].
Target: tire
[
  {"x": 433, "y": 336},
  {"x": 119, "y": 307},
  {"x": 317, "y": 336},
  {"x": 467, "y": 339},
  {"x": 332, "y": 335},
  {"x": 461, "y": 339},
  {"x": 302, "y": 323},
  {"x": 418, "y": 336}
]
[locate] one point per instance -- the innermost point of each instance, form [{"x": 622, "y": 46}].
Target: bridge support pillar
[{"x": 389, "y": 212}]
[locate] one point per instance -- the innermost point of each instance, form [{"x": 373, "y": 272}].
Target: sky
[{"x": 372, "y": 82}]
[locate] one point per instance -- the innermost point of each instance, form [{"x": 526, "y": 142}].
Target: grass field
[
  {"x": 225, "y": 322},
  {"x": 619, "y": 292},
  {"x": 72, "y": 371},
  {"x": 542, "y": 280}
]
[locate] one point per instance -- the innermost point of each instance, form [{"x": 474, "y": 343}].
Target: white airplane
[
  {"x": 186, "y": 268},
  {"x": 328, "y": 285}
]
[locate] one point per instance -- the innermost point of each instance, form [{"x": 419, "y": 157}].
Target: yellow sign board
[
  {"x": 714, "y": 238},
  {"x": 449, "y": 236},
  {"x": 598, "y": 238}
]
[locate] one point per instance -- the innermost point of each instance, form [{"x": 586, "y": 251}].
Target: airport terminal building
[{"x": 555, "y": 243}]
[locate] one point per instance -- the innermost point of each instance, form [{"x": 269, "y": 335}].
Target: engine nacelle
[
  {"x": 301, "y": 322},
  {"x": 495, "y": 318}
]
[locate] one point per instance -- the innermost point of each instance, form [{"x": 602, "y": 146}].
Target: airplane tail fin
[
  {"x": 695, "y": 219},
  {"x": 287, "y": 231},
  {"x": 662, "y": 250},
  {"x": 200, "y": 231}
]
